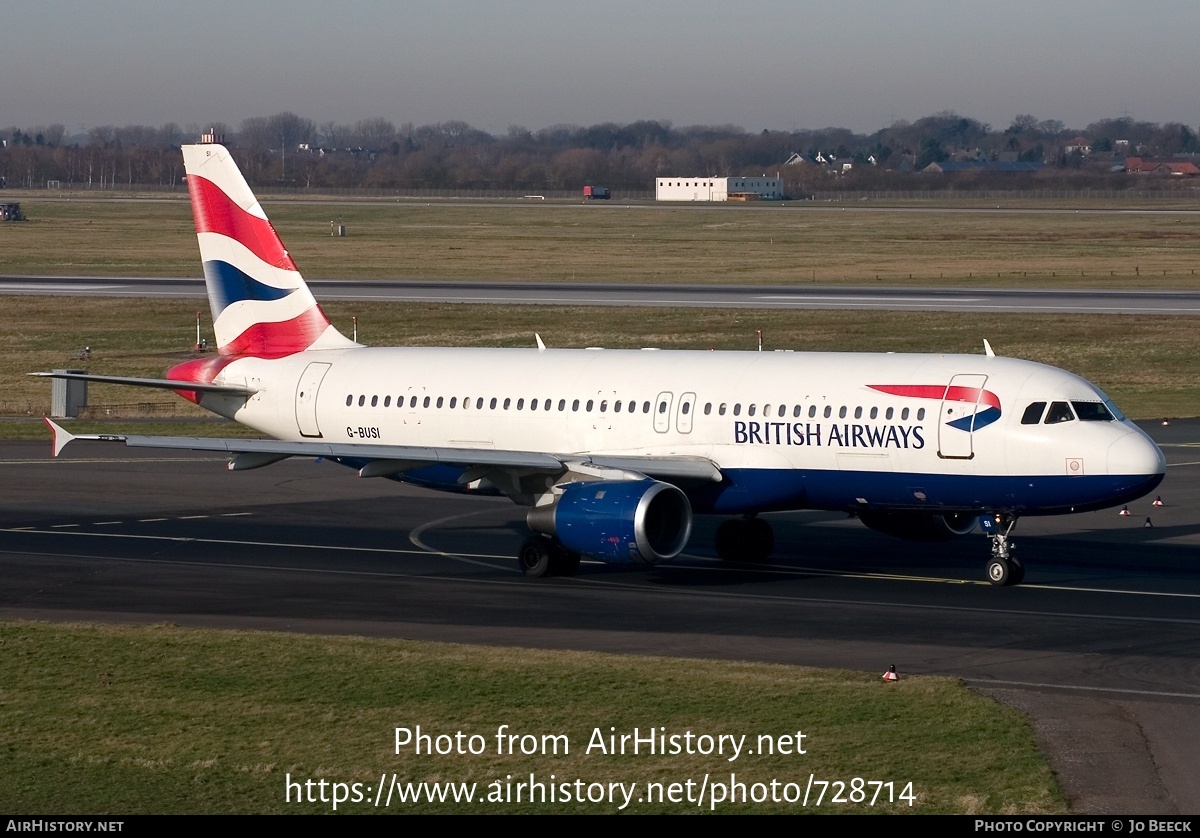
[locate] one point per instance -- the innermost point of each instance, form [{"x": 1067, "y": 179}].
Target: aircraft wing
[{"x": 384, "y": 460}]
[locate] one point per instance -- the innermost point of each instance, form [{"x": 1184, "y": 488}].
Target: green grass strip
[{"x": 160, "y": 719}]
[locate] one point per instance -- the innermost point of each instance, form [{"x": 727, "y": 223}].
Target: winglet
[{"x": 59, "y": 436}]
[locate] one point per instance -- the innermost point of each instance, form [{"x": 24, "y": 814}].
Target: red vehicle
[{"x": 591, "y": 193}]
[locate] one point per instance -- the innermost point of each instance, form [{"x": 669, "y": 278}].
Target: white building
[{"x": 718, "y": 188}]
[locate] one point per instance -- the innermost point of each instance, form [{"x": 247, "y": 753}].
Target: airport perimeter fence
[
  {"x": 124, "y": 410},
  {"x": 1156, "y": 192},
  {"x": 1181, "y": 193},
  {"x": 268, "y": 189}
]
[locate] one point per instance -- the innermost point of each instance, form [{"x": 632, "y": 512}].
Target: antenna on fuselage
[
  {"x": 987, "y": 349},
  {"x": 538, "y": 338}
]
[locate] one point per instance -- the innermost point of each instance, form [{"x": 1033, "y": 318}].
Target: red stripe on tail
[
  {"x": 216, "y": 213},
  {"x": 275, "y": 340}
]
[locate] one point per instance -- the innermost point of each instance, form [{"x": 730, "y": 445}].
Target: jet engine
[
  {"x": 921, "y": 526},
  {"x": 618, "y": 521}
]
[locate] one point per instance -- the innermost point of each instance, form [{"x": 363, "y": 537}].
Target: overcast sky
[{"x": 755, "y": 63}]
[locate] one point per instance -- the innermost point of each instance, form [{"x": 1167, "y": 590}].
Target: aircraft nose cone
[{"x": 1136, "y": 454}]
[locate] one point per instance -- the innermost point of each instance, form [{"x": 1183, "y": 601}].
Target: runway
[
  {"x": 1102, "y": 641},
  {"x": 977, "y": 299}
]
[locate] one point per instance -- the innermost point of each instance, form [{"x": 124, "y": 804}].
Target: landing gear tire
[
  {"x": 728, "y": 539},
  {"x": 1005, "y": 572},
  {"x": 535, "y": 557},
  {"x": 563, "y": 562},
  {"x": 744, "y": 539},
  {"x": 999, "y": 571},
  {"x": 1018, "y": 571},
  {"x": 760, "y": 541}
]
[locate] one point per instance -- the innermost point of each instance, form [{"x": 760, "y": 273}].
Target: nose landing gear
[{"x": 1002, "y": 568}]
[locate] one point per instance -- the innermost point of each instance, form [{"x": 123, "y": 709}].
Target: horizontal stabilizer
[{"x": 155, "y": 383}]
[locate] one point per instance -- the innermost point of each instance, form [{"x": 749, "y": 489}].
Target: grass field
[
  {"x": 788, "y": 243},
  {"x": 160, "y": 719},
  {"x": 1149, "y": 365}
]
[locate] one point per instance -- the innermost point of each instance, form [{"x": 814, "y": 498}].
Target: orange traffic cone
[
  {"x": 1149, "y": 524},
  {"x": 891, "y": 675},
  {"x": 1124, "y": 513},
  {"x": 1157, "y": 501}
]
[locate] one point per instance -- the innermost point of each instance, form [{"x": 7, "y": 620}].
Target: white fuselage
[{"x": 793, "y": 430}]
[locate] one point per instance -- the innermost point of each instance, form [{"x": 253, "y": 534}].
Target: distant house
[
  {"x": 1081, "y": 144},
  {"x": 1161, "y": 168}
]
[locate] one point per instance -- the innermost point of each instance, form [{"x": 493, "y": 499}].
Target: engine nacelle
[
  {"x": 618, "y": 521},
  {"x": 921, "y": 526}
]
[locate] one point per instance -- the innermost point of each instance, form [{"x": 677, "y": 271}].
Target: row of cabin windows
[
  {"x": 1063, "y": 412},
  {"x": 798, "y": 411},
  {"x": 495, "y": 403},
  {"x": 631, "y": 406}
]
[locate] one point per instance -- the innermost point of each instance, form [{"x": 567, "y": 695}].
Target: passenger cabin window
[
  {"x": 1033, "y": 413},
  {"x": 1092, "y": 412},
  {"x": 1059, "y": 412}
]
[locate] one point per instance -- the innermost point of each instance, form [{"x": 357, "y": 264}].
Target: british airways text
[{"x": 847, "y": 435}]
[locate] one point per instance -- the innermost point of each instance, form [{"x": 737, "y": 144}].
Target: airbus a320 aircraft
[{"x": 615, "y": 451}]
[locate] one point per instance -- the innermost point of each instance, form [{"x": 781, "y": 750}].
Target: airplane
[{"x": 614, "y": 451}]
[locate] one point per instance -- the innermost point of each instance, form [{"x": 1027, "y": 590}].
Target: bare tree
[
  {"x": 374, "y": 134},
  {"x": 289, "y": 131}
]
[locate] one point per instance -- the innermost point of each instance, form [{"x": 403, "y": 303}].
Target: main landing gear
[
  {"x": 1003, "y": 568},
  {"x": 540, "y": 556},
  {"x": 748, "y": 539}
]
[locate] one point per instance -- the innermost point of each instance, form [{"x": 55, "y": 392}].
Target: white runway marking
[{"x": 1111, "y": 690}]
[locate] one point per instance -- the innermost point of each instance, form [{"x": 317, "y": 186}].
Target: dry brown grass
[{"x": 786, "y": 243}]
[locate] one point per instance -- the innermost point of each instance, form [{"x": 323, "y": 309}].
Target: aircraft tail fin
[{"x": 260, "y": 303}]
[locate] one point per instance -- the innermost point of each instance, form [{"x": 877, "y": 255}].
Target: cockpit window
[
  {"x": 1092, "y": 412},
  {"x": 1059, "y": 412},
  {"x": 1033, "y": 413}
]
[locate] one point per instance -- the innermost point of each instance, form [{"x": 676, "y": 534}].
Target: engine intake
[{"x": 621, "y": 521}]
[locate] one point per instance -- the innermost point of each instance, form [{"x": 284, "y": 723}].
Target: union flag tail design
[{"x": 260, "y": 303}]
